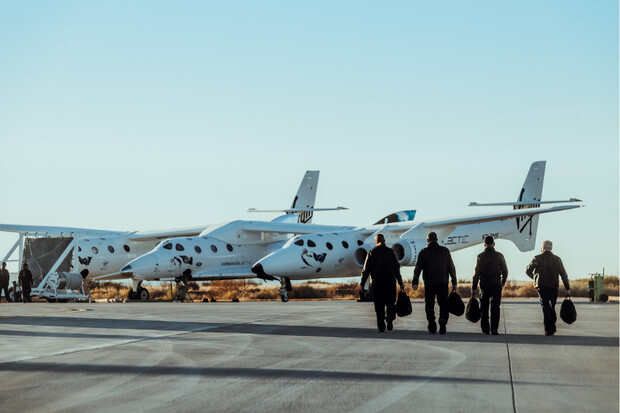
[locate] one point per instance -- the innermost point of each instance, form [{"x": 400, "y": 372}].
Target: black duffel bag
[
  {"x": 568, "y": 313},
  {"x": 403, "y": 304},
  {"x": 455, "y": 304},
  {"x": 472, "y": 312}
]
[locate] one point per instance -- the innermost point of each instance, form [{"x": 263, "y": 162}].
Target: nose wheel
[
  {"x": 140, "y": 293},
  {"x": 285, "y": 287}
]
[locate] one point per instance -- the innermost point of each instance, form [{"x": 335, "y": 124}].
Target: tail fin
[
  {"x": 306, "y": 195},
  {"x": 525, "y": 235}
]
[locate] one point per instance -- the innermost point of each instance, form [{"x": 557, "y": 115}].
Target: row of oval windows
[
  {"x": 95, "y": 250},
  {"x": 180, "y": 247},
  {"x": 329, "y": 245}
]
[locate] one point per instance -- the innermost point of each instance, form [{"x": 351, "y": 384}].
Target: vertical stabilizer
[
  {"x": 525, "y": 235},
  {"x": 306, "y": 195}
]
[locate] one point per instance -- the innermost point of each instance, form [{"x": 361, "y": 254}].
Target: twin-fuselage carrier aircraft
[
  {"x": 194, "y": 253},
  {"x": 338, "y": 251}
]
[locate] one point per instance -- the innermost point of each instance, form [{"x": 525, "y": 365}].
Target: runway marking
[{"x": 512, "y": 383}]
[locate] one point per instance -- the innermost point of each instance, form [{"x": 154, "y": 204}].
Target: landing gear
[
  {"x": 285, "y": 286},
  {"x": 137, "y": 291},
  {"x": 182, "y": 284}
]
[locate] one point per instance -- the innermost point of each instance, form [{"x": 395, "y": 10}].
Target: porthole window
[
  {"x": 311, "y": 243},
  {"x": 95, "y": 250},
  {"x": 229, "y": 247},
  {"x": 329, "y": 246},
  {"x": 197, "y": 249},
  {"x": 126, "y": 248},
  {"x": 359, "y": 242},
  {"x": 345, "y": 244},
  {"x": 299, "y": 242},
  {"x": 168, "y": 246},
  {"x": 213, "y": 248},
  {"x": 179, "y": 247},
  {"x": 111, "y": 249}
]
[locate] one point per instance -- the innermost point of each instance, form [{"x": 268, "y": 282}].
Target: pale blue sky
[{"x": 160, "y": 114}]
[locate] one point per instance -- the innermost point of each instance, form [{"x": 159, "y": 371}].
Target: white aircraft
[
  {"x": 101, "y": 254},
  {"x": 342, "y": 253},
  {"x": 228, "y": 251}
]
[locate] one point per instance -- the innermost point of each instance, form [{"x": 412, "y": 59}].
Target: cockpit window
[
  {"x": 168, "y": 246},
  {"x": 299, "y": 242},
  {"x": 179, "y": 247},
  {"x": 311, "y": 243}
]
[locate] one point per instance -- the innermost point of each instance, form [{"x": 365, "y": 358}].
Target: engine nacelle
[
  {"x": 407, "y": 251},
  {"x": 359, "y": 256}
]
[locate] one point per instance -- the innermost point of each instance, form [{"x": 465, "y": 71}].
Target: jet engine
[
  {"x": 359, "y": 256},
  {"x": 407, "y": 251}
]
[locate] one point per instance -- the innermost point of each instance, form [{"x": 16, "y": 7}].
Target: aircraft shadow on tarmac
[
  {"x": 245, "y": 372},
  {"x": 281, "y": 330}
]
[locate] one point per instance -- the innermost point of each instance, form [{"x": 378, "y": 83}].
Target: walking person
[
  {"x": 382, "y": 266},
  {"x": 492, "y": 272},
  {"x": 436, "y": 265},
  {"x": 545, "y": 269},
  {"x": 25, "y": 280},
  {"x": 4, "y": 283}
]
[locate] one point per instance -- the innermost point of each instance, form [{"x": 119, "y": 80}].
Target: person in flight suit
[
  {"x": 382, "y": 266},
  {"x": 492, "y": 272},
  {"x": 25, "y": 280},
  {"x": 4, "y": 282},
  {"x": 545, "y": 269},
  {"x": 436, "y": 265}
]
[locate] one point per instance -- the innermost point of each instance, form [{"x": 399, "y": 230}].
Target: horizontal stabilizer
[
  {"x": 422, "y": 229},
  {"x": 296, "y": 210},
  {"x": 524, "y": 202}
]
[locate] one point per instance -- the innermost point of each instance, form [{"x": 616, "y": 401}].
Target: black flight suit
[
  {"x": 492, "y": 272},
  {"x": 436, "y": 265},
  {"x": 382, "y": 266},
  {"x": 4, "y": 284},
  {"x": 25, "y": 280},
  {"x": 545, "y": 270}
]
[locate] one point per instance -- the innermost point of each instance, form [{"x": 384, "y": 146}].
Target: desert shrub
[
  {"x": 193, "y": 286},
  {"x": 307, "y": 291},
  {"x": 348, "y": 290},
  {"x": 267, "y": 294}
]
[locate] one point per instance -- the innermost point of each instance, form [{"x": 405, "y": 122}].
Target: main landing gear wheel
[
  {"x": 131, "y": 295},
  {"x": 284, "y": 296},
  {"x": 143, "y": 294}
]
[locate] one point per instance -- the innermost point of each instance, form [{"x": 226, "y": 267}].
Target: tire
[
  {"x": 130, "y": 295},
  {"x": 143, "y": 294},
  {"x": 604, "y": 298}
]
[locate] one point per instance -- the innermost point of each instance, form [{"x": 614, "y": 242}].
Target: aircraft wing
[
  {"x": 165, "y": 234},
  {"x": 290, "y": 228},
  {"x": 41, "y": 230},
  {"x": 112, "y": 276},
  {"x": 448, "y": 225}
]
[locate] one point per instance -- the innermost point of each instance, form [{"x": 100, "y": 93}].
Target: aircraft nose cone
[
  {"x": 127, "y": 270},
  {"x": 260, "y": 272}
]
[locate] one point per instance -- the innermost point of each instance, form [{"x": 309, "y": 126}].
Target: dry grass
[{"x": 244, "y": 290}]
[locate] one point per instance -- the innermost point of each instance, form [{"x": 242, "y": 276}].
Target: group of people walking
[
  {"x": 435, "y": 265},
  {"x": 24, "y": 280}
]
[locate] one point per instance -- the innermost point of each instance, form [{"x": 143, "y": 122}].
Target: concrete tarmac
[{"x": 300, "y": 356}]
